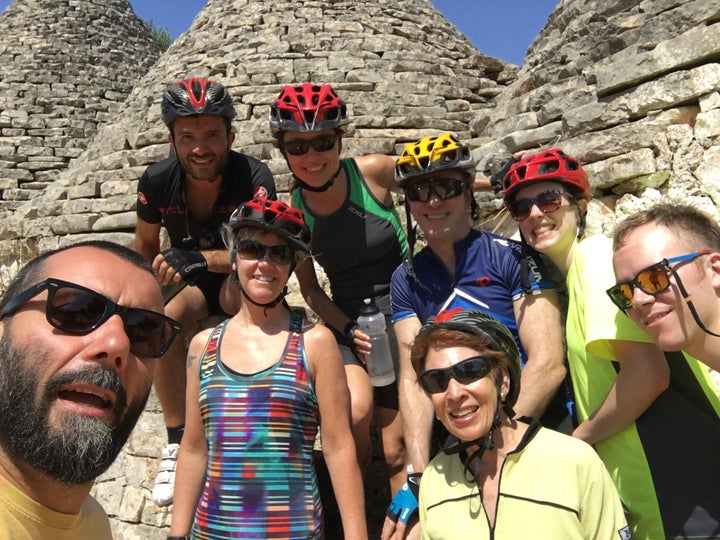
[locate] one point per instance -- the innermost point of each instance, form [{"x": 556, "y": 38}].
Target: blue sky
[{"x": 503, "y": 29}]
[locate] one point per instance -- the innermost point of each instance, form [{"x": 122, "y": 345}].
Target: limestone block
[
  {"x": 114, "y": 222},
  {"x": 708, "y": 124},
  {"x": 118, "y": 187},
  {"x": 13, "y": 176},
  {"x": 567, "y": 98},
  {"x": 34, "y": 151},
  {"x": 88, "y": 189},
  {"x": 345, "y": 62},
  {"x": 710, "y": 102},
  {"x": 8, "y": 183},
  {"x": 156, "y": 135},
  {"x": 612, "y": 171},
  {"x": 518, "y": 122},
  {"x": 669, "y": 91},
  {"x": 19, "y": 194},
  {"x": 34, "y": 228},
  {"x": 708, "y": 173},
  {"x": 109, "y": 494},
  {"x": 133, "y": 502},
  {"x": 114, "y": 204},
  {"x": 67, "y": 153},
  {"x": 587, "y": 118},
  {"x": 115, "y": 160},
  {"x": 530, "y": 138},
  {"x": 132, "y": 531},
  {"x": 604, "y": 143},
  {"x": 640, "y": 183},
  {"x": 368, "y": 146},
  {"x": 77, "y": 206},
  {"x": 62, "y": 225},
  {"x": 630, "y": 67}
]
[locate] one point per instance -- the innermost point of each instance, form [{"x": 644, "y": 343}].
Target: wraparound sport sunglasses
[
  {"x": 472, "y": 369},
  {"x": 444, "y": 188},
  {"x": 651, "y": 280},
  {"x": 255, "y": 251},
  {"x": 77, "y": 310},
  {"x": 300, "y": 147}
]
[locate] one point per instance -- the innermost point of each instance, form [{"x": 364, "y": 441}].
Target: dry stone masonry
[
  {"x": 401, "y": 66},
  {"x": 631, "y": 87},
  {"x": 65, "y": 66}
]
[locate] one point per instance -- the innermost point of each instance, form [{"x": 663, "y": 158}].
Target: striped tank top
[{"x": 260, "y": 430}]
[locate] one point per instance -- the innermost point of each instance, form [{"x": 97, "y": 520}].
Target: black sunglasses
[
  {"x": 78, "y": 310},
  {"x": 547, "y": 201},
  {"x": 255, "y": 251},
  {"x": 444, "y": 188},
  {"x": 651, "y": 280},
  {"x": 434, "y": 381},
  {"x": 299, "y": 147}
]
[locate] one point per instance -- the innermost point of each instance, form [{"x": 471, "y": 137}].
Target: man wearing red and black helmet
[{"x": 191, "y": 194}]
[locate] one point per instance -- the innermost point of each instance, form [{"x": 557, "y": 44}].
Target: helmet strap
[
  {"x": 486, "y": 443},
  {"x": 474, "y": 207},
  {"x": 581, "y": 224},
  {"x": 268, "y": 305},
  {"x": 411, "y": 237},
  {"x": 327, "y": 185}
]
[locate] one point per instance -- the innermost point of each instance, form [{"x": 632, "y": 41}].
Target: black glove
[
  {"x": 496, "y": 180},
  {"x": 189, "y": 264},
  {"x": 349, "y": 332}
]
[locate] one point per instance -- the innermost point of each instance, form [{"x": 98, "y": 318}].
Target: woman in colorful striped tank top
[{"x": 259, "y": 386}]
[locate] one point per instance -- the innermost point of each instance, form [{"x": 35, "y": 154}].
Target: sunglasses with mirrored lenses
[
  {"x": 443, "y": 188},
  {"x": 300, "y": 147},
  {"x": 77, "y": 310},
  {"x": 651, "y": 280},
  {"x": 472, "y": 369},
  {"x": 547, "y": 201},
  {"x": 255, "y": 251}
]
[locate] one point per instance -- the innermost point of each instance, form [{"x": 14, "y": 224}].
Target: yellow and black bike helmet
[{"x": 431, "y": 154}]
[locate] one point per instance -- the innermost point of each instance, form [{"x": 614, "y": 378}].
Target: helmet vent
[
  {"x": 196, "y": 89},
  {"x": 549, "y": 167}
]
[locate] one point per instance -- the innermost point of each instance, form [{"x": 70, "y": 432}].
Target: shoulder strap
[
  {"x": 296, "y": 323},
  {"x": 209, "y": 356}
]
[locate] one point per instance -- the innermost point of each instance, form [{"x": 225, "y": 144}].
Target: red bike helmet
[
  {"x": 194, "y": 96},
  {"x": 307, "y": 107},
  {"x": 274, "y": 216},
  {"x": 549, "y": 166},
  {"x": 483, "y": 324}
]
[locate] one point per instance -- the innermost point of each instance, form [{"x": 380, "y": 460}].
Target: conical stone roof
[
  {"x": 65, "y": 65},
  {"x": 404, "y": 70}
]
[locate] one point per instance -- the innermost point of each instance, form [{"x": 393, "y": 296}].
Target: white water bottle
[{"x": 379, "y": 361}]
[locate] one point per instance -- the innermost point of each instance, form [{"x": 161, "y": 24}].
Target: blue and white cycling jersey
[{"x": 487, "y": 278}]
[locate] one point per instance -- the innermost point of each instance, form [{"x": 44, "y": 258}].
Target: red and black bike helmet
[
  {"x": 195, "y": 96},
  {"x": 552, "y": 165},
  {"x": 307, "y": 107},
  {"x": 274, "y": 216}
]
